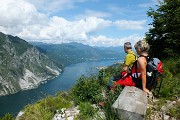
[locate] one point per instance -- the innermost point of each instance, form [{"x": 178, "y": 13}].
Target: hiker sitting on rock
[
  {"x": 128, "y": 63},
  {"x": 138, "y": 74}
]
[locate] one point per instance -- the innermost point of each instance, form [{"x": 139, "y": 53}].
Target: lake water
[{"x": 15, "y": 102}]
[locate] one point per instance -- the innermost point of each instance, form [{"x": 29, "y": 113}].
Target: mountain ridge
[
  {"x": 70, "y": 53},
  {"x": 22, "y": 65}
]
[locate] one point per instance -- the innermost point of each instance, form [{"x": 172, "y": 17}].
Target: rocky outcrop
[
  {"x": 22, "y": 66},
  {"x": 163, "y": 112},
  {"x": 72, "y": 113}
]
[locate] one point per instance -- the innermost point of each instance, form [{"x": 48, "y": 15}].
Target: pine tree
[{"x": 165, "y": 32}]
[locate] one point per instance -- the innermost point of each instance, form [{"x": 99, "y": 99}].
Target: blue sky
[{"x": 91, "y": 22}]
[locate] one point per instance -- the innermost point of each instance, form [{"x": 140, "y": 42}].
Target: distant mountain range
[
  {"x": 25, "y": 65},
  {"x": 69, "y": 53},
  {"x": 22, "y": 66}
]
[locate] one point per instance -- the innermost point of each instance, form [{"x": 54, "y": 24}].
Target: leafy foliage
[
  {"x": 87, "y": 111},
  {"x": 165, "y": 33},
  {"x": 111, "y": 98},
  {"x": 164, "y": 40},
  {"x": 171, "y": 75},
  {"x": 90, "y": 90},
  {"x": 87, "y": 90}
]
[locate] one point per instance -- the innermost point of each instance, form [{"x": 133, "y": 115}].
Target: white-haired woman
[{"x": 142, "y": 48}]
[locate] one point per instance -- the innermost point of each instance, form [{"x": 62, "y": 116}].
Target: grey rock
[{"x": 23, "y": 66}]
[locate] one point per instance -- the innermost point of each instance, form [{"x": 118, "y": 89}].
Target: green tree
[{"x": 165, "y": 34}]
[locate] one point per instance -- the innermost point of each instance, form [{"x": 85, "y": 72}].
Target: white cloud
[
  {"x": 20, "y": 16},
  {"x": 105, "y": 41},
  {"x": 60, "y": 30},
  {"x": 22, "y": 19},
  {"x": 14, "y": 13},
  {"x": 130, "y": 25}
]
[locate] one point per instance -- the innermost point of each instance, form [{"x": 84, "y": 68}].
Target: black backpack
[{"x": 153, "y": 70}]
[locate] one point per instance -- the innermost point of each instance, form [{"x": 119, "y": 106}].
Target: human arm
[
  {"x": 141, "y": 63},
  {"x": 125, "y": 68}
]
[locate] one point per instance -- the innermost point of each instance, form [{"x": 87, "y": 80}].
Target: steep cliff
[{"x": 22, "y": 66}]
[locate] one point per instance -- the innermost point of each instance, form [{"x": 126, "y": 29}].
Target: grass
[
  {"x": 175, "y": 112},
  {"x": 44, "y": 109}
]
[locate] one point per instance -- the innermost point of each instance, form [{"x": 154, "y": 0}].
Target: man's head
[{"x": 127, "y": 46}]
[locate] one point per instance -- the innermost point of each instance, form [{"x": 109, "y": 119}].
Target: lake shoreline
[{"x": 15, "y": 102}]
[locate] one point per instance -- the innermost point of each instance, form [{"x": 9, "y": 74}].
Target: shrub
[
  {"x": 173, "y": 65},
  {"x": 110, "y": 99},
  {"x": 170, "y": 84},
  {"x": 86, "y": 111},
  {"x": 87, "y": 89}
]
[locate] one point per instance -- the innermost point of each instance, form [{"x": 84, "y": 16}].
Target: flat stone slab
[{"x": 131, "y": 104}]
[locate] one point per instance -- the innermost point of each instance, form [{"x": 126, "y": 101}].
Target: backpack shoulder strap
[
  {"x": 147, "y": 57},
  {"x": 135, "y": 63}
]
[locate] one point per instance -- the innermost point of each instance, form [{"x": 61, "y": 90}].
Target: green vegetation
[
  {"x": 163, "y": 38},
  {"x": 175, "y": 112},
  {"x": 165, "y": 33},
  {"x": 2, "y": 38},
  {"x": 91, "y": 90},
  {"x": 45, "y": 108},
  {"x": 170, "y": 86},
  {"x": 88, "y": 91},
  {"x": 87, "y": 111},
  {"x": 170, "y": 90},
  {"x": 20, "y": 45},
  {"x": 7, "y": 117}
]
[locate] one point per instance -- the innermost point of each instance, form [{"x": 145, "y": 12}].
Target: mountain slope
[
  {"x": 69, "y": 53},
  {"x": 22, "y": 65}
]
